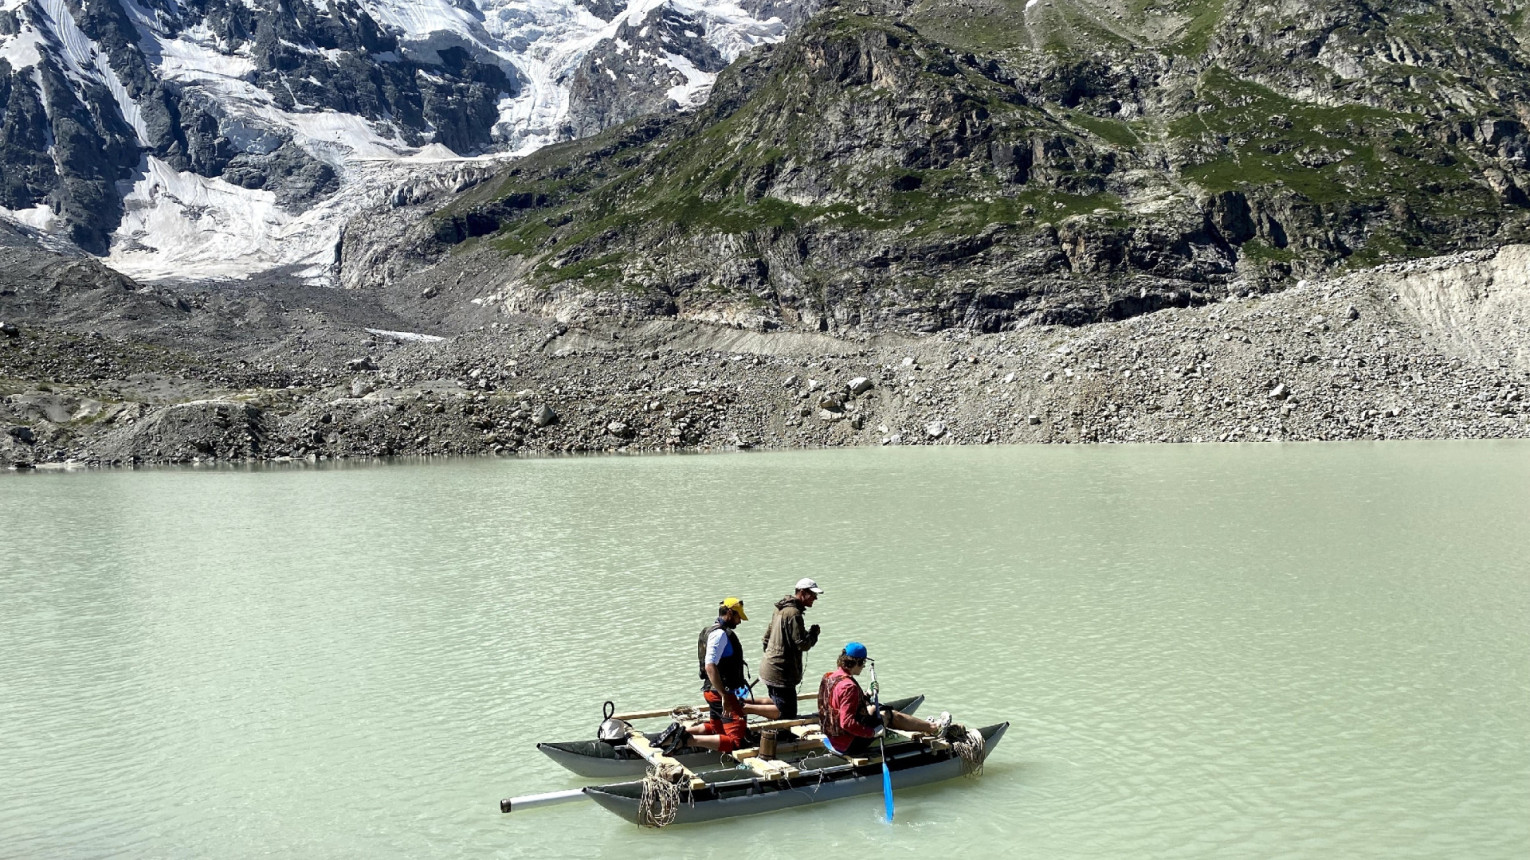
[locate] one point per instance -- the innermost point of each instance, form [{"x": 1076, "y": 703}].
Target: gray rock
[
  {"x": 358, "y": 364},
  {"x": 620, "y": 429},
  {"x": 1033, "y": 420},
  {"x": 1352, "y": 313},
  {"x": 1280, "y": 392},
  {"x": 831, "y": 403},
  {"x": 362, "y": 387},
  {"x": 9, "y": 330},
  {"x": 23, "y": 435},
  {"x": 858, "y": 386},
  {"x": 791, "y": 381},
  {"x": 544, "y": 416},
  {"x": 935, "y": 429}
]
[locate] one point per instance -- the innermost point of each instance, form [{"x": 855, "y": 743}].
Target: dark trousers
[{"x": 785, "y": 699}]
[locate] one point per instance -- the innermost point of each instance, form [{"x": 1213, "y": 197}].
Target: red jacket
[{"x": 843, "y": 709}]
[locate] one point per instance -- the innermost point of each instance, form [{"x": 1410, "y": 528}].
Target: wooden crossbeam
[
  {"x": 656, "y": 757},
  {"x": 785, "y": 724},
  {"x": 807, "y": 742},
  {"x": 772, "y": 769},
  {"x": 653, "y": 715},
  {"x": 934, "y": 742}
]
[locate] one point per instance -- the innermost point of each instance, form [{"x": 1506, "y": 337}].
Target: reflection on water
[{"x": 1205, "y": 651}]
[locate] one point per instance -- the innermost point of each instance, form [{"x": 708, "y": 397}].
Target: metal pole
[{"x": 551, "y": 798}]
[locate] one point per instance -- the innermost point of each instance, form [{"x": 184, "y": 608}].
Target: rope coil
[
  {"x": 660, "y": 802},
  {"x": 970, "y": 748}
]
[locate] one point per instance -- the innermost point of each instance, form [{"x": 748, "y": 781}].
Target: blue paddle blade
[{"x": 887, "y": 790}]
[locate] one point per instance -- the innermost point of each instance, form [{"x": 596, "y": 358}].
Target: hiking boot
[
  {"x": 957, "y": 732},
  {"x": 671, "y": 739}
]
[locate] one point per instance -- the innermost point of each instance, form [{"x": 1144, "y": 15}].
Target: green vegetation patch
[{"x": 1112, "y": 130}]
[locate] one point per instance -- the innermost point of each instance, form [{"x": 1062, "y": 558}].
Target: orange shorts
[{"x": 733, "y": 730}]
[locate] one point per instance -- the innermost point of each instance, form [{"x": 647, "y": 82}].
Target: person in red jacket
[{"x": 851, "y": 722}]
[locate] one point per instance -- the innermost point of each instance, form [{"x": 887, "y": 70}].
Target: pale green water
[{"x": 1208, "y": 651}]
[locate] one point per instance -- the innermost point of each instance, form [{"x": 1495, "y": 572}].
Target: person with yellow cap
[{"x": 723, "y": 683}]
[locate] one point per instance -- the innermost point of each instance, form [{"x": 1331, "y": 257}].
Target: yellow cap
[{"x": 736, "y": 605}]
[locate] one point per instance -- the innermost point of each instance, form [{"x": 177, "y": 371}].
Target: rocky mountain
[
  {"x": 914, "y": 166},
  {"x": 185, "y": 138}
]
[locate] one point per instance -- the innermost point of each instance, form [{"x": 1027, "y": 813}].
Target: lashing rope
[
  {"x": 660, "y": 802},
  {"x": 970, "y": 748}
]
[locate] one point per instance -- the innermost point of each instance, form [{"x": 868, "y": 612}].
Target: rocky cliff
[
  {"x": 921, "y": 166},
  {"x": 124, "y": 122}
]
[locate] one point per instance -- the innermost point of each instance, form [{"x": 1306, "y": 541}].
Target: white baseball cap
[{"x": 806, "y": 584}]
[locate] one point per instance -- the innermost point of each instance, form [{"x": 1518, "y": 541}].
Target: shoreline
[
  {"x": 408, "y": 460},
  {"x": 1425, "y": 350}
]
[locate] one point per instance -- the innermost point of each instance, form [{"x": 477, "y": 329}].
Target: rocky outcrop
[
  {"x": 1426, "y": 349},
  {"x": 67, "y": 137},
  {"x": 647, "y": 68},
  {"x": 866, "y": 176}
]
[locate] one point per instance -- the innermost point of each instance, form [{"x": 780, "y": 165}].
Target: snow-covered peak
[{"x": 249, "y": 115}]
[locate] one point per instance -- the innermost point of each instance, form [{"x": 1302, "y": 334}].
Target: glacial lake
[{"x": 1214, "y": 651}]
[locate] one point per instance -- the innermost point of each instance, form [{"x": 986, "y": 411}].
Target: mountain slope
[
  {"x": 124, "y": 122},
  {"x": 992, "y": 164}
]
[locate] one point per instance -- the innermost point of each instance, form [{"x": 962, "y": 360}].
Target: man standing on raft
[
  {"x": 786, "y": 639},
  {"x": 849, "y": 722}
]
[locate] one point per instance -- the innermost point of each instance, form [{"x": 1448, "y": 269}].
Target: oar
[
  {"x": 551, "y": 798},
  {"x": 876, "y": 699}
]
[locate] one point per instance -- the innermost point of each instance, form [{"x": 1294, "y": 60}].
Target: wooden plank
[
  {"x": 653, "y": 715},
  {"x": 933, "y": 741},
  {"x": 772, "y": 769},
  {"x": 655, "y": 757},
  {"x": 785, "y": 724},
  {"x": 809, "y": 743}
]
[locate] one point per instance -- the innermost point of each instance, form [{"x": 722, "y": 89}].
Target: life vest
[
  {"x": 731, "y": 667},
  {"x": 827, "y": 716}
]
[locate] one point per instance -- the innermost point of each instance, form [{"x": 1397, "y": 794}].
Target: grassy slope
[{"x": 1392, "y": 174}]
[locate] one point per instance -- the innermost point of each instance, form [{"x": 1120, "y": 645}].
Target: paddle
[{"x": 876, "y": 700}]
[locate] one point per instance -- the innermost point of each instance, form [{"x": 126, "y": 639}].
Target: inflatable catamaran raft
[{"x": 697, "y": 785}]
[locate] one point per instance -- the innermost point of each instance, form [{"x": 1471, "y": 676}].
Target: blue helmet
[{"x": 856, "y": 650}]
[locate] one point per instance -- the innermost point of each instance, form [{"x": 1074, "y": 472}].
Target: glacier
[{"x": 178, "y": 224}]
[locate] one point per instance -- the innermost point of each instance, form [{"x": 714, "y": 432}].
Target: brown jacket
[{"x": 785, "y": 640}]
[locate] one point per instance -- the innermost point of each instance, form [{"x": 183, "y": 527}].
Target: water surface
[{"x": 1205, "y": 651}]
